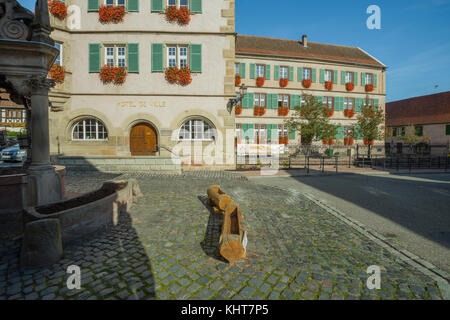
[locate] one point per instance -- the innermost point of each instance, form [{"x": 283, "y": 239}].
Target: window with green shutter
[
  {"x": 133, "y": 6},
  {"x": 299, "y": 74},
  {"x": 94, "y": 57},
  {"x": 196, "y": 57},
  {"x": 340, "y": 132},
  {"x": 295, "y": 101},
  {"x": 157, "y": 5},
  {"x": 93, "y": 5},
  {"x": 375, "y": 81},
  {"x": 276, "y": 74},
  {"x": 242, "y": 70},
  {"x": 133, "y": 57},
  {"x": 363, "y": 79},
  {"x": 291, "y": 73},
  {"x": 274, "y": 101},
  {"x": 335, "y": 76},
  {"x": 322, "y": 76},
  {"x": 196, "y": 6},
  {"x": 252, "y": 70},
  {"x": 355, "y": 78},
  {"x": 313, "y": 75},
  {"x": 157, "y": 57},
  {"x": 342, "y": 77},
  {"x": 267, "y": 71}
]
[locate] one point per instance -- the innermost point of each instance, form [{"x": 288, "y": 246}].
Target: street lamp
[{"x": 234, "y": 102}]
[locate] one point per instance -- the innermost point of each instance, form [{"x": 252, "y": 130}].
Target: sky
[{"x": 414, "y": 39}]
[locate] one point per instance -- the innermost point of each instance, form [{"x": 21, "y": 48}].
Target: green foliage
[
  {"x": 370, "y": 121},
  {"x": 14, "y": 134},
  {"x": 311, "y": 120},
  {"x": 411, "y": 137}
]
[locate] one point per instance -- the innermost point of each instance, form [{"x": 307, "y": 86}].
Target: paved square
[{"x": 164, "y": 248}]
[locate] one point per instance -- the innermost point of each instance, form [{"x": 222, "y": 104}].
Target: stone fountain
[{"x": 26, "y": 54}]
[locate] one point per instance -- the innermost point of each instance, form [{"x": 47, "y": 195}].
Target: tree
[
  {"x": 311, "y": 120},
  {"x": 411, "y": 135},
  {"x": 369, "y": 122}
]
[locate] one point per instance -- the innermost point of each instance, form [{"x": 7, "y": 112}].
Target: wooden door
[{"x": 143, "y": 141}]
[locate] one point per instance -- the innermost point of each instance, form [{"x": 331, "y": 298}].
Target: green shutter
[
  {"x": 250, "y": 130},
  {"x": 242, "y": 70},
  {"x": 157, "y": 5},
  {"x": 133, "y": 6},
  {"x": 251, "y": 100},
  {"x": 252, "y": 71},
  {"x": 375, "y": 81},
  {"x": 299, "y": 74},
  {"x": 376, "y": 103},
  {"x": 196, "y": 6},
  {"x": 268, "y": 101},
  {"x": 358, "y": 134},
  {"x": 342, "y": 77},
  {"x": 291, "y": 73},
  {"x": 313, "y": 78},
  {"x": 94, "y": 57},
  {"x": 196, "y": 57},
  {"x": 269, "y": 131},
  {"x": 275, "y": 101},
  {"x": 340, "y": 132},
  {"x": 268, "y": 72},
  {"x": 358, "y": 104},
  {"x": 92, "y": 5},
  {"x": 447, "y": 129},
  {"x": 335, "y": 76},
  {"x": 291, "y": 133},
  {"x": 355, "y": 78},
  {"x": 322, "y": 76},
  {"x": 133, "y": 57},
  {"x": 276, "y": 73},
  {"x": 294, "y": 101},
  {"x": 244, "y": 101},
  {"x": 157, "y": 57},
  {"x": 363, "y": 79}
]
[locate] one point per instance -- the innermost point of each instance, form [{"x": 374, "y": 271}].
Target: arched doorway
[{"x": 143, "y": 140}]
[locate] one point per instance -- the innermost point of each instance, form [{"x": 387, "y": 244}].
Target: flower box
[
  {"x": 181, "y": 76},
  {"x": 283, "y": 111},
  {"x": 284, "y": 82},
  {"x": 283, "y": 140},
  {"x": 57, "y": 9},
  {"x": 260, "y": 81},
  {"x": 329, "y": 85},
  {"x": 329, "y": 112},
  {"x": 369, "y": 87},
  {"x": 114, "y": 14},
  {"x": 328, "y": 141},
  {"x": 306, "y": 83},
  {"x": 349, "y": 113},
  {"x": 237, "y": 80},
  {"x": 349, "y": 86},
  {"x": 116, "y": 75},
  {"x": 348, "y": 141},
  {"x": 367, "y": 142},
  {"x": 238, "y": 110},
  {"x": 259, "y": 111},
  {"x": 181, "y": 15},
  {"x": 57, "y": 73}
]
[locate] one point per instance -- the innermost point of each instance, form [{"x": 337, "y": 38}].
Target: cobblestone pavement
[{"x": 164, "y": 248}]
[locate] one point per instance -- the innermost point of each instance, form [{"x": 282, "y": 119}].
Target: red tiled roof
[
  {"x": 429, "y": 109},
  {"x": 6, "y": 102},
  {"x": 294, "y": 48}
]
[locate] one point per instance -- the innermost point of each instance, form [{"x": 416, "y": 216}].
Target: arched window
[
  {"x": 89, "y": 129},
  {"x": 197, "y": 129}
]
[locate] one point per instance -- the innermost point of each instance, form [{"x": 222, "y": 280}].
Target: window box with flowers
[
  {"x": 238, "y": 110},
  {"x": 57, "y": 9},
  {"x": 57, "y": 73},
  {"x": 329, "y": 142},
  {"x": 349, "y": 113},
  {"x": 284, "y": 82},
  {"x": 111, "y": 14},
  {"x": 260, "y": 81},
  {"x": 367, "y": 142},
  {"x": 283, "y": 140},
  {"x": 306, "y": 83},
  {"x": 110, "y": 74},
  {"x": 237, "y": 80},
  {"x": 181, "y": 76},
  {"x": 348, "y": 141},
  {"x": 349, "y": 86},
  {"x": 369, "y": 87},
  {"x": 181, "y": 15},
  {"x": 329, "y": 85},
  {"x": 283, "y": 111},
  {"x": 329, "y": 112},
  {"x": 259, "y": 111}
]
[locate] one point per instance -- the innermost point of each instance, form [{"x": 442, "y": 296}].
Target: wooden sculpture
[
  {"x": 217, "y": 197},
  {"x": 233, "y": 240}
]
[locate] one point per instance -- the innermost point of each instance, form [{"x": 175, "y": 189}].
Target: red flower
[
  {"x": 306, "y": 83},
  {"x": 329, "y": 112},
  {"x": 113, "y": 74},
  {"x": 109, "y": 14},
  {"x": 58, "y": 9},
  {"x": 237, "y": 80},
  {"x": 369, "y": 87},
  {"x": 260, "y": 81},
  {"x": 184, "y": 15},
  {"x": 349, "y": 113},
  {"x": 57, "y": 73},
  {"x": 238, "y": 110},
  {"x": 181, "y": 76},
  {"x": 367, "y": 142},
  {"x": 283, "y": 82},
  {"x": 349, "y": 86},
  {"x": 259, "y": 111},
  {"x": 329, "y": 85},
  {"x": 283, "y": 111},
  {"x": 171, "y": 13}
]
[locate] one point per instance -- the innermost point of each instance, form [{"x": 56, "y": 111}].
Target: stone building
[
  {"x": 146, "y": 115},
  {"x": 284, "y": 65}
]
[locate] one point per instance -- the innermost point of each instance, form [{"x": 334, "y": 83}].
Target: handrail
[{"x": 168, "y": 149}]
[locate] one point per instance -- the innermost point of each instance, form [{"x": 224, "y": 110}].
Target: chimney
[{"x": 305, "y": 41}]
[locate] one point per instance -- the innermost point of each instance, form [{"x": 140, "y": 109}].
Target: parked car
[{"x": 14, "y": 153}]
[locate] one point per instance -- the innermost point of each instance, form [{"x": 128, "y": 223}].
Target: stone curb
[{"x": 437, "y": 274}]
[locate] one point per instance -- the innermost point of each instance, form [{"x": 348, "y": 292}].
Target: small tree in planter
[
  {"x": 369, "y": 122},
  {"x": 310, "y": 119}
]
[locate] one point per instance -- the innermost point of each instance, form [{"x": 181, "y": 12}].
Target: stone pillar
[{"x": 40, "y": 155}]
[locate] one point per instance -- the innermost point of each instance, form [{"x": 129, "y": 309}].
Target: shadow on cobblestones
[{"x": 210, "y": 243}]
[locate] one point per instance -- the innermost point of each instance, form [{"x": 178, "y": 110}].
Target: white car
[{"x": 14, "y": 153}]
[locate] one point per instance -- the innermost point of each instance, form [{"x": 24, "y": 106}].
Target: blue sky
[{"x": 414, "y": 40}]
